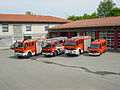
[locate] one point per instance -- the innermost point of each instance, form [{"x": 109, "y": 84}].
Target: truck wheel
[
  {"x": 55, "y": 53},
  {"x": 46, "y": 55},
  {"x": 29, "y": 55},
  {"x": 79, "y": 52},
  {"x": 68, "y": 54}
]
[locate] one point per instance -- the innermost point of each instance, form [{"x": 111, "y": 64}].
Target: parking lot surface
[{"x": 60, "y": 73}]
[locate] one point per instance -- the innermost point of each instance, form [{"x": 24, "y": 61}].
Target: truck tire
[
  {"x": 80, "y": 52},
  {"x": 46, "y": 55},
  {"x": 68, "y": 54},
  {"x": 55, "y": 53},
  {"x": 29, "y": 55}
]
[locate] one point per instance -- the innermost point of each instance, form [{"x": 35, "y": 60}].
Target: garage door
[
  {"x": 109, "y": 36},
  {"x": 17, "y": 31},
  {"x": 5, "y": 41},
  {"x": 118, "y": 40}
]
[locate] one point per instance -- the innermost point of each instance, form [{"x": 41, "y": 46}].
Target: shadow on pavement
[
  {"x": 66, "y": 56},
  {"x": 86, "y": 54},
  {"x": 14, "y": 57},
  {"x": 113, "y": 51}
]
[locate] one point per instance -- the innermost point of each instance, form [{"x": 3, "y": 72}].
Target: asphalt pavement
[{"x": 60, "y": 73}]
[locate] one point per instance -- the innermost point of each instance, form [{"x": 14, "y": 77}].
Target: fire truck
[
  {"x": 54, "y": 46},
  {"x": 28, "y": 48},
  {"x": 77, "y": 45},
  {"x": 97, "y": 47}
]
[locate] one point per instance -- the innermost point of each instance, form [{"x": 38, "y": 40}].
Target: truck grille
[
  {"x": 94, "y": 51},
  {"x": 46, "y": 51},
  {"x": 70, "y": 48},
  {"x": 18, "y": 51}
]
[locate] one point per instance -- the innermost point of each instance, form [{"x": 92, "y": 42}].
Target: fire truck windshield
[
  {"x": 70, "y": 43},
  {"x": 95, "y": 46},
  {"x": 47, "y": 46},
  {"x": 19, "y": 45}
]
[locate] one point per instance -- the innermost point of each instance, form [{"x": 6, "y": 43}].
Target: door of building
[
  {"x": 118, "y": 45},
  {"x": 109, "y": 36},
  {"x": 6, "y": 41},
  {"x": 17, "y": 32}
]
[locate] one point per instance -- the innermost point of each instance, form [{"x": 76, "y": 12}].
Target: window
[
  {"x": 77, "y": 42},
  {"x": 103, "y": 43},
  {"x": 46, "y": 28},
  {"x": 32, "y": 43},
  {"x": 70, "y": 43},
  {"x": 95, "y": 46},
  {"x": 26, "y": 45},
  {"x": 28, "y": 27},
  {"x": 29, "y": 44},
  {"x": 19, "y": 45},
  {"x": 4, "y": 27}
]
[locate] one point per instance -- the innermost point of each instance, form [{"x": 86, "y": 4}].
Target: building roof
[
  {"x": 30, "y": 18},
  {"x": 97, "y": 22}
]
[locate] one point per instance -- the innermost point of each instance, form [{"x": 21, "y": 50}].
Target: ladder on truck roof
[
  {"x": 82, "y": 37},
  {"x": 54, "y": 39},
  {"x": 99, "y": 39}
]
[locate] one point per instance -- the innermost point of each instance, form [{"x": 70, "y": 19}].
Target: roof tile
[
  {"x": 98, "y": 22},
  {"x": 30, "y": 18}
]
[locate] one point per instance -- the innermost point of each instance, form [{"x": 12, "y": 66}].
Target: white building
[{"x": 18, "y": 27}]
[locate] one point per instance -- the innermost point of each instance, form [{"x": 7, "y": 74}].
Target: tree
[
  {"x": 94, "y": 15},
  {"x": 105, "y": 7},
  {"x": 85, "y": 16},
  {"x": 73, "y": 18},
  {"x": 29, "y": 13},
  {"x": 115, "y": 12}
]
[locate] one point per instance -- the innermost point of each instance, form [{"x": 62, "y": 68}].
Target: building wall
[
  {"x": 7, "y": 33},
  {"x": 37, "y": 31}
]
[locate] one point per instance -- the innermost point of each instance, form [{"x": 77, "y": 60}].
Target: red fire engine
[
  {"x": 28, "y": 48},
  {"x": 54, "y": 46},
  {"x": 97, "y": 47},
  {"x": 77, "y": 45}
]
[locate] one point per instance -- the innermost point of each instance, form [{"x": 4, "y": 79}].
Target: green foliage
[
  {"x": 29, "y": 13},
  {"x": 115, "y": 12},
  {"x": 85, "y": 16},
  {"x": 105, "y": 7}
]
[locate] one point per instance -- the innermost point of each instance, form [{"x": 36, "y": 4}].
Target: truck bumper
[
  {"x": 47, "y": 54},
  {"x": 94, "y": 53},
  {"x": 72, "y": 52},
  {"x": 21, "y": 54}
]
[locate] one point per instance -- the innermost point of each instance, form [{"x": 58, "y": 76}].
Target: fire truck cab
[
  {"x": 97, "y": 47},
  {"x": 27, "y": 48},
  {"x": 54, "y": 46},
  {"x": 52, "y": 49},
  {"x": 77, "y": 45}
]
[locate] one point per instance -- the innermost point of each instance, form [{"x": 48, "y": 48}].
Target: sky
[{"x": 57, "y": 8}]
